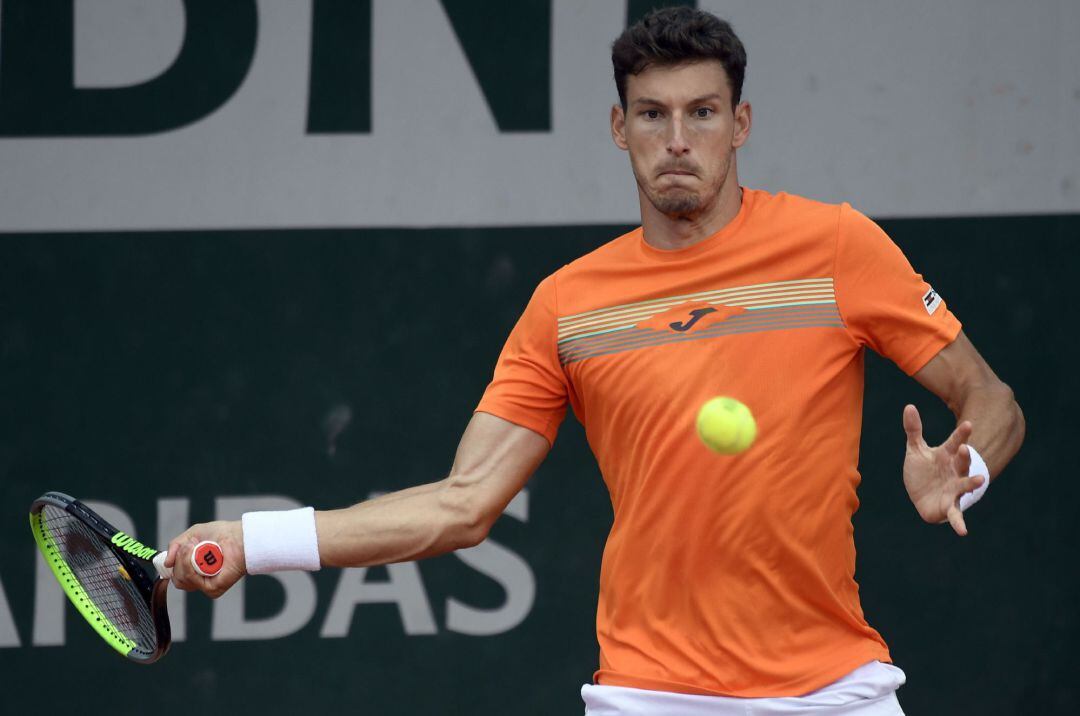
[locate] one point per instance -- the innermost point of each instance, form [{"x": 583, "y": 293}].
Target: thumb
[
  {"x": 913, "y": 426},
  {"x": 171, "y": 551}
]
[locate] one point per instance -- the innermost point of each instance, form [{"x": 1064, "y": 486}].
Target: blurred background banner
[
  {"x": 128, "y": 114},
  {"x": 261, "y": 254}
]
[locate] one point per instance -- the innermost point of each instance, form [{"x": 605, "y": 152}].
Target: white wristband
[
  {"x": 279, "y": 541},
  {"x": 977, "y": 467}
]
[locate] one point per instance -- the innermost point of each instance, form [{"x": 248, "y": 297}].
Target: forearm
[
  {"x": 997, "y": 424},
  {"x": 415, "y": 523},
  {"x": 407, "y": 492},
  {"x": 494, "y": 460}
]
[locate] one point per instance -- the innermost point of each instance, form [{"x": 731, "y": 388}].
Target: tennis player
[{"x": 727, "y": 584}]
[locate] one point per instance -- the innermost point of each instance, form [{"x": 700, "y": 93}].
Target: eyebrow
[
  {"x": 706, "y": 98},
  {"x": 696, "y": 100}
]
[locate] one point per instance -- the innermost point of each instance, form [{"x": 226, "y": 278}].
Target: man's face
[{"x": 681, "y": 133}]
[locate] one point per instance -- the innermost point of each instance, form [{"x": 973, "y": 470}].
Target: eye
[
  {"x": 703, "y": 112},
  {"x": 651, "y": 114}
]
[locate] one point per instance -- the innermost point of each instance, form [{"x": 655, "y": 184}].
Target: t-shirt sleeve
[
  {"x": 529, "y": 387},
  {"x": 884, "y": 303}
]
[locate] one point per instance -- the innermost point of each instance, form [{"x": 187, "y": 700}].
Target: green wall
[{"x": 140, "y": 366}]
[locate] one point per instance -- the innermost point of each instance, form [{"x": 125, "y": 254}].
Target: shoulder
[
  {"x": 786, "y": 207},
  {"x": 615, "y": 252},
  {"x": 789, "y": 211},
  {"x": 585, "y": 269}
]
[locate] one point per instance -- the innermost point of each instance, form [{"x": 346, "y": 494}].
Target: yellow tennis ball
[{"x": 726, "y": 426}]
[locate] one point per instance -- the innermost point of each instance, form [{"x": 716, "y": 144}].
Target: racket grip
[
  {"x": 159, "y": 564},
  {"x": 206, "y": 558}
]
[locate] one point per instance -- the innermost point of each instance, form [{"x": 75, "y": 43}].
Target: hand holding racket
[
  {"x": 192, "y": 567},
  {"x": 117, "y": 583}
]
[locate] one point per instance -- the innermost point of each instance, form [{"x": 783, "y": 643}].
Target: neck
[{"x": 671, "y": 233}]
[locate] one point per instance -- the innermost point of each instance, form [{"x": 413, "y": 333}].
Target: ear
[
  {"x": 744, "y": 118},
  {"x": 618, "y": 127}
]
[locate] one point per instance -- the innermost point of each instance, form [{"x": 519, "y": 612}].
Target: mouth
[{"x": 677, "y": 173}]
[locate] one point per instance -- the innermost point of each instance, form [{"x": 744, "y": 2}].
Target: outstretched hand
[{"x": 936, "y": 477}]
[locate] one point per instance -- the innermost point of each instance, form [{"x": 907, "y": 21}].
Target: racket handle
[
  {"x": 206, "y": 558},
  {"x": 159, "y": 564}
]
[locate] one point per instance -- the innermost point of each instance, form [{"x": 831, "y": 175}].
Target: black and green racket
[{"x": 118, "y": 584}]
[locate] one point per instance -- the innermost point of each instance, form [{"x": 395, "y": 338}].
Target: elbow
[
  {"x": 472, "y": 537},
  {"x": 1019, "y": 422},
  {"x": 467, "y": 522},
  {"x": 1003, "y": 398},
  {"x": 1019, "y": 425},
  {"x": 471, "y": 533},
  {"x": 1016, "y": 424}
]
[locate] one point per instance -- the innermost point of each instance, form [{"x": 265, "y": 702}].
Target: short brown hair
[{"x": 674, "y": 35}]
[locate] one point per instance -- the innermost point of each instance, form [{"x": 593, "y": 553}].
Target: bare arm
[
  {"x": 988, "y": 419},
  {"x": 494, "y": 460},
  {"x": 966, "y": 383}
]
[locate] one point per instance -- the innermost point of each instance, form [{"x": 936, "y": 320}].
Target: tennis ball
[{"x": 726, "y": 426}]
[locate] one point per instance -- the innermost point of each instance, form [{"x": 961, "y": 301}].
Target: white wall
[{"x": 914, "y": 108}]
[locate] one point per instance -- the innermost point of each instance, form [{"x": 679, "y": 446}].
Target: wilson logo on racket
[
  {"x": 132, "y": 546},
  {"x": 110, "y": 576}
]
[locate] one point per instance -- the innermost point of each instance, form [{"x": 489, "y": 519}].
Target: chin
[{"x": 677, "y": 203}]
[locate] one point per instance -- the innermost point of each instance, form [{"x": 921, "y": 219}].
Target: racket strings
[{"x": 101, "y": 576}]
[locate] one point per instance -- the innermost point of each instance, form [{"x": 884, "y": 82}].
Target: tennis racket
[{"x": 117, "y": 583}]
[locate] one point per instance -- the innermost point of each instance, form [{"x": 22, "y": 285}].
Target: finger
[
  {"x": 217, "y": 585},
  {"x": 183, "y": 574},
  {"x": 969, "y": 484},
  {"x": 959, "y": 437},
  {"x": 207, "y": 586},
  {"x": 962, "y": 461},
  {"x": 956, "y": 519},
  {"x": 913, "y": 426},
  {"x": 174, "y": 547}
]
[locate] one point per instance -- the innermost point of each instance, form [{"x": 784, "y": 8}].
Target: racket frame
[{"x": 153, "y": 589}]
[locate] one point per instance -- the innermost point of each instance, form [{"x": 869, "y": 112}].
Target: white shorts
[{"x": 869, "y": 690}]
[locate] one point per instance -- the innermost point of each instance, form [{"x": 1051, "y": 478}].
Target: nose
[{"x": 677, "y": 144}]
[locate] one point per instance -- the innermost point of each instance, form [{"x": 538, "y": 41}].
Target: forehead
[{"x": 673, "y": 84}]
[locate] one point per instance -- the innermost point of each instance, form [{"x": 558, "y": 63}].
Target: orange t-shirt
[{"x": 725, "y": 575}]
